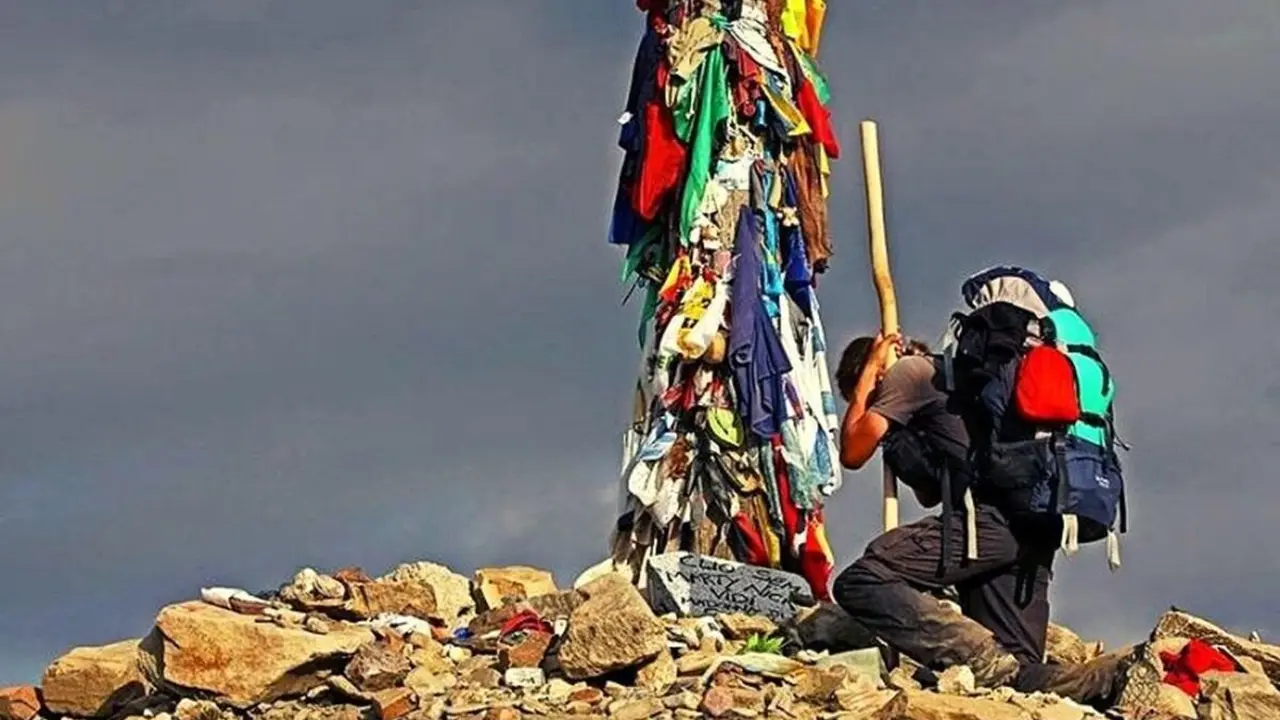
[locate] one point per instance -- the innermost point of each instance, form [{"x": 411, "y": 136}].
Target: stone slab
[{"x": 696, "y": 586}]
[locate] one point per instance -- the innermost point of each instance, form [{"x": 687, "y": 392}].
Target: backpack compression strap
[{"x": 1092, "y": 353}]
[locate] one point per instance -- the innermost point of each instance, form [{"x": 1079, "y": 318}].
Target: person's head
[{"x": 854, "y": 360}]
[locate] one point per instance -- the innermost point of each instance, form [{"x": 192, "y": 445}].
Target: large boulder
[
  {"x": 95, "y": 681},
  {"x": 497, "y": 586},
  {"x": 244, "y": 662},
  {"x": 454, "y": 603},
  {"x": 1178, "y": 624},
  {"x": 611, "y": 630},
  {"x": 695, "y": 585}
]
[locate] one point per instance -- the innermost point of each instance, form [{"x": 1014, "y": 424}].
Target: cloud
[{"x": 291, "y": 283}]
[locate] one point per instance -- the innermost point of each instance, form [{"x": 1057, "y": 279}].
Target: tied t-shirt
[{"x": 913, "y": 393}]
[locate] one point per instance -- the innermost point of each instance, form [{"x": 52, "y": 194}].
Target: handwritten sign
[{"x": 695, "y": 586}]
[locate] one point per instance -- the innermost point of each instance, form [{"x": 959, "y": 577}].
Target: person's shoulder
[{"x": 914, "y": 368}]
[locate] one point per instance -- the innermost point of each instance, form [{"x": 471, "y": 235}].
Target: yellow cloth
[
  {"x": 817, "y": 16},
  {"x": 824, "y": 169},
  {"x": 819, "y": 534},
  {"x": 679, "y": 269},
  {"x": 795, "y": 21},
  {"x": 802, "y": 21},
  {"x": 787, "y": 110}
]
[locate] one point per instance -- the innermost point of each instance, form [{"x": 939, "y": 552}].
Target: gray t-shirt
[{"x": 913, "y": 393}]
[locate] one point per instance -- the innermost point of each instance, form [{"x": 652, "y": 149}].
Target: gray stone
[{"x": 697, "y": 586}]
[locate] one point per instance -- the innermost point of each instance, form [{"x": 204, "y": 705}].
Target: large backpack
[{"x": 1037, "y": 398}]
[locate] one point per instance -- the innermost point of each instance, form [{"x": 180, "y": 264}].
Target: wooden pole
[{"x": 883, "y": 280}]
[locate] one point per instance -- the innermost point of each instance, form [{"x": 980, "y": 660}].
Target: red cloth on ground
[
  {"x": 1196, "y": 658},
  {"x": 819, "y": 119},
  {"x": 525, "y": 620}
]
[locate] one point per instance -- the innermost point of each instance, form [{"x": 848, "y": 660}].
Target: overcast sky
[{"x": 326, "y": 283}]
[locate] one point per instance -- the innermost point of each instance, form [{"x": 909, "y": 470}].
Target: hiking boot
[
  {"x": 993, "y": 667},
  {"x": 1137, "y": 683}
]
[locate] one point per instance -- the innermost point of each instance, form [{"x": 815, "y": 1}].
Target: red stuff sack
[{"x": 1045, "y": 389}]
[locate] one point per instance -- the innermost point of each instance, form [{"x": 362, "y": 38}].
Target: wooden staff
[{"x": 883, "y": 280}]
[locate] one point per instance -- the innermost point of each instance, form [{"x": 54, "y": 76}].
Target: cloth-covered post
[{"x": 721, "y": 209}]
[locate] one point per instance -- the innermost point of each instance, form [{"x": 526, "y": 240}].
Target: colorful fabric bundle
[{"x": 721, "y": 206}]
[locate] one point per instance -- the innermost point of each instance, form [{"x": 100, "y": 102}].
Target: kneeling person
[{"x": 1002, "y": 582}]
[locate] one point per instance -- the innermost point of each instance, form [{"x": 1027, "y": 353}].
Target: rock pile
[{"x": 424, "y": 643}]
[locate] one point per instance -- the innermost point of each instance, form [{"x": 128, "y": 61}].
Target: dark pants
[
  {"x": 1004, "y": 593},
  {"x": 1004, "y": 599}
]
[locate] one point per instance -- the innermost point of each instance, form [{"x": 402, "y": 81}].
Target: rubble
[
  {"x": 378, "y": 666},
  {"x": 1062, "y": 646},
  {"x": 19, "y": 703},
  {"x": 527, "y": 651},
  {"x": 367, "y": 600},
  {"x": 920, "y": 705},
  {"x": 94, "y": 681},
  {"x": 1178, "y": 624},
  {"x": 596, "y": 652},
  {"x": 739, "y": 626},
  {"x": 394, "y": 703},
  {"x": 658, "y": 675},
  {"x": 957, "y": 680},
  {"x": 496, "y": 586},
  {"x": 455, "y": 606},
  {"x": 612, "y": 630},
  {"x": 1237, "y": 696}
]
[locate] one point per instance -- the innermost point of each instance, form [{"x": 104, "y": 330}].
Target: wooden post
[{"x": 883, "y": 280}]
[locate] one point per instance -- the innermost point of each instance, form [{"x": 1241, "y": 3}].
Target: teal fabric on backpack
[{"x": 1096, "y": 387}]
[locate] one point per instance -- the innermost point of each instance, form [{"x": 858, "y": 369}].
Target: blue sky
[{"x": 290, "y": 283}]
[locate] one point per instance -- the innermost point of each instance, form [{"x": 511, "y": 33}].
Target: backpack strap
[
  {"x": 1115, "y": 436},
  {"x": 1070, "y": 534},
  {"x": 1124, "y": 512},
  {"x": 948, "y": 359},
  {"x": 1070, "y": 522},
  {"x": 1096, "y": 420},
  {"x": 947, "y": 511},
  {"x": 1058, "y": 444},
  {"x": 970, "y": 526},
  {"x": 1092, "y": 353}
]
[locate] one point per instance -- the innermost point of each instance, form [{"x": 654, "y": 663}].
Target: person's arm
[{"x": 862, "y": 429}]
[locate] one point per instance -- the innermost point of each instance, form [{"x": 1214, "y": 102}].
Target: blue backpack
[{"x": 1037, "y": 398}]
